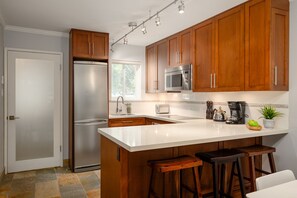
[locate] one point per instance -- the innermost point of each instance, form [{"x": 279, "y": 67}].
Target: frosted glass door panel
[{"x": 34, "y": 91}]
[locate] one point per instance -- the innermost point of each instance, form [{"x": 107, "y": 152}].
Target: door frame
[{"x": 6, "y": 100}]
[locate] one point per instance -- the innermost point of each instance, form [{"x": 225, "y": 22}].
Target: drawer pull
[{"x": 128, "y": 121}]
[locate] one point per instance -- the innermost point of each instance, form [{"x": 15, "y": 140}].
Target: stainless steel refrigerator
[{"x": 90, "y": 112}]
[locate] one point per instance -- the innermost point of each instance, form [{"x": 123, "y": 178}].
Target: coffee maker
[{"x": 237, "y": 112}]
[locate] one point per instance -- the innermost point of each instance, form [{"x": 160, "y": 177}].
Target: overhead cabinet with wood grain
[
  {"x": 179, "y": 48},
  {"x": 245, "y": 48},
  {"x": 156, "y": 62},
  {"x": 267, "y": 45},
  {"x": 89, "y": 45},
  {"x": 218, "y": 63}
]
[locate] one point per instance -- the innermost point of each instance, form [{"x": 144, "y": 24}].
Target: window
[{"x": 125, "y": 80}]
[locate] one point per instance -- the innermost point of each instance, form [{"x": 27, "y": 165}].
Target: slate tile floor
[{"x": 54, "y": 183}]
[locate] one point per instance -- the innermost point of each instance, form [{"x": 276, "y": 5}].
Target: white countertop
[{"x": 187, "y": 132}]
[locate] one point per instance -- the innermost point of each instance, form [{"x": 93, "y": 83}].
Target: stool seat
[
  {"x": 223, "y": 155},
  {"x": 174, "y": 164},
  {"x": 177, "y": 164},
  {"x": 256, "y": 150},
  {"x": 218, "y": 159}
]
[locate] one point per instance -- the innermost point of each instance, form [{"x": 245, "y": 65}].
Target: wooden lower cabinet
[
  {"x": 120, "y": 122},
  {"x": 126, "y": 174}
]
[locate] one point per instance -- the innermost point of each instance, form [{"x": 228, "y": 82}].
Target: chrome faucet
[{"x": 119, "y": 110}]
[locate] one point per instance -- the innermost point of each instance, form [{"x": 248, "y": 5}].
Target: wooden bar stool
[
  {"x": 257, "y": 150},
  {"x": 176, "y": 164},
  {"x": 218, "y": 160}
]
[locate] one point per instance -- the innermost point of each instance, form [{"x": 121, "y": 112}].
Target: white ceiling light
[
  {"x": 181, "y": 7},
  {"x": 125, "y": 41},
  {"x": 143, "y": 29},
  {"x": 158, "y": 20}
]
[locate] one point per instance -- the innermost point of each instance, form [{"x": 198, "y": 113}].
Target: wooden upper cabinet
[
  {"x": 162, "y": 63},
  {"x": 89, "y": 45},
  {"x": 100, "y": 45},
  {"x": 151, "y": 69},
  {"x": 219, "y": 52},
  {"x": 228, "y": 73},
  {"x": 179, "y": 48},
  {"x": 203, "y": 40},
  {"x": 156, "y": 62},
  {"x": 266, "y": 53}
]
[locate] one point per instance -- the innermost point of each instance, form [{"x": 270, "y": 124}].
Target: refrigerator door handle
[{"x": 91, "y": 123}]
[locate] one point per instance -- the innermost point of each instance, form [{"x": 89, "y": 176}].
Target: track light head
[
  {"x": 157, "y": 20},
  {"x": 143, "y": 29},
  {"x": 181, "y": 7},
  {"x": 125, "y": 41}
]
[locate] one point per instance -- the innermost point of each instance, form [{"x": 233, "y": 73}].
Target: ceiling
[{"x": 110, "y": 16}]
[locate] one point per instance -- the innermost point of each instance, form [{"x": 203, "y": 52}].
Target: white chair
[{"x": 274, "y": 179}]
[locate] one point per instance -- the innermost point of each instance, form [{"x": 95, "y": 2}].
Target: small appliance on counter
[
  {"x": 219, "y": 115},
  {"x": 162, "y": 108},
  {"x": 237, "y": 112},
  {"x": 209, "y": 110}
]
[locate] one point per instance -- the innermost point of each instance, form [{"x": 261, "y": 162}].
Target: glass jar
[{"x": 129, "y": 109}]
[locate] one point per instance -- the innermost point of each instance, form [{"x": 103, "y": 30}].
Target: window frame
[{"x": 138, "y": 88}]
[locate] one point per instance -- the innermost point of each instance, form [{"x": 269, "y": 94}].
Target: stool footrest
[{"x": 262, "y": 171}]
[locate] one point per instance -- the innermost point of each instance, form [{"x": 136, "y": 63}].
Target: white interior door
[{"x": 33, "y": 110}]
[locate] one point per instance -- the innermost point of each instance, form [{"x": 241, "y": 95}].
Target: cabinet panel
[
  {"x": 162, "y": 63},
  {"x": 100, "y": 46},
  {"x": 280, "y": 49},
  {"x": 229, "y": 56},
  {"x": 120, "y": 122},
  {"x": 81, "y": 44},
  {"x": 151, "y": 69},
  {"x": 203, "y": 56},
  {"x": 185, "y": 47},
  {"x": 267, "y": 30},
  {"x": 173, "y": 51},
  {"x": 89, "y": 45},
  {"x": 257, "y": 37}
]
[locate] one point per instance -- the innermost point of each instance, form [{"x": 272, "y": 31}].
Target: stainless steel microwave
[{"x": 178, "y": 78}]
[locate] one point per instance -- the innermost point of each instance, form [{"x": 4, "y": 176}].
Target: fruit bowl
[{"x": 254, "y": 128}]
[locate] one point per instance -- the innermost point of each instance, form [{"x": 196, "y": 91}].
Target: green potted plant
[{"x": 269, "y": 113}]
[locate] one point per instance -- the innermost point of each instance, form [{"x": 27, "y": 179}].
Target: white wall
[
  {"x": 30, "y": 41},
  {"x": 1, "y": 101}
]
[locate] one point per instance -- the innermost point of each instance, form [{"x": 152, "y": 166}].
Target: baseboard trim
[
  {"x": 2, "y": 173},
  {"x": 66, "y": 163}
]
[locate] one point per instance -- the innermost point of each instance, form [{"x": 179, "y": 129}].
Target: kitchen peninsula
[{"x": 126, "y": 150}]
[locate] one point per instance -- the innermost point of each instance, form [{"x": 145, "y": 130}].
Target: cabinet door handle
[
  {"x": 275, "y": 75},
  {"x": 210, "y": 80},
  {"x": 177, "y": 58},
  {"x": 180, "y": 57},
  {"x": 93, "y": 48},
  {"x": 214, "y": 80},
  {"x": 89, "y": 47},
  {"x": 127, "y": 121}
]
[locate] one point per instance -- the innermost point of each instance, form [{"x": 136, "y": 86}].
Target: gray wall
[
  {"x": 46, "y": 43},
  {"x": 1, "y": 102}
]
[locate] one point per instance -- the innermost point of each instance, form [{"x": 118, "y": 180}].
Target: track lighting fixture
[
  {"x": 181, "y": 7},
  {"x": 125, "y": 41},
  {"x": 143, "y": 29},
  {"x": 158, "y": 20},
  {"x": 134, "y": 26}
]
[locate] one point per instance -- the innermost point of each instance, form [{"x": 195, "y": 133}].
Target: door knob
[{"x": 13, "y": 117}]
